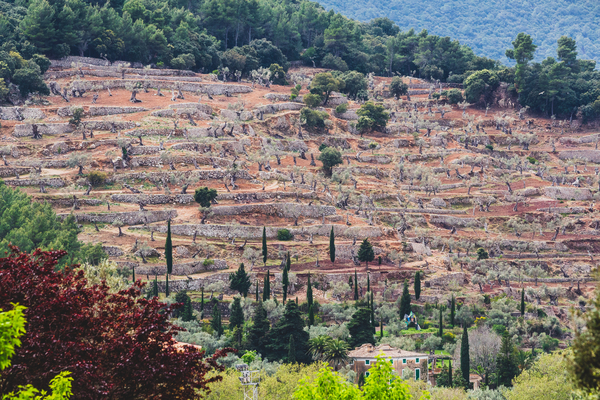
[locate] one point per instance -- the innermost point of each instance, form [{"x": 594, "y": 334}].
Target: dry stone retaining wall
[
  {"x": 21, "y": 113},
  {"x": 51, "y": 182},
  {"x": 200, "y": 174},
  {"x": 188, "y": 268},
  {"x": 587, "y": 155},
  {"x": 567, "y": 193},
  {"x": 149, "y": 199},
  {"x": 273, "y": 108},
  {"x": 108, "y": 125},
  {"x": 285, "y": 210},
  {"x": 43, "y": 129},
  {"x": 11, "y": 171},
  {"x": 211, "y": 88},
  {"x": 128, "y": 218}
]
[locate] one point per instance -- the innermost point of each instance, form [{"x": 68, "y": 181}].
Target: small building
[{"x": 404, "y": 362}]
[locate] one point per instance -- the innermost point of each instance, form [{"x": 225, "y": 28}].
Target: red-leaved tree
[{"x": 117, "y": 346}]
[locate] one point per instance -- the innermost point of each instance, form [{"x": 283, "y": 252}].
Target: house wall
[{"x": 359, "y": 366}]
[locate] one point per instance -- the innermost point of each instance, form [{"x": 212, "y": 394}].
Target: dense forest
[{"x": 488, "y": 27}]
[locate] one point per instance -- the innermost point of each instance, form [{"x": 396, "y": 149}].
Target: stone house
[{"x": 404, "y": 362}]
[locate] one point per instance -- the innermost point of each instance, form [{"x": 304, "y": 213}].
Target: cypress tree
[
  {"x": 291, "y": 350},
  {"x": 361, "y": 380},
  {"x": 155, "y": 287},
  {"x": 264, "y": 246},
  {"x": 188, "y": 311},
  {"x": 368, "y": 282},
  {"x": 417, "y": 285},
  {"x": 465, "y": 362},
  {"x": 202, "y": 303},
  {"x": 373, "y": 313},
  {"x": 237, "y": 314},
  {"x": 167, "y": 286},
  {"x": 522, "y": 302},
  {"x": 452, "y": 310},
  {"x": 296, "y": 300},
  {"x": 257, "y": 290},
  {"x": 450, "y": 373},
  {"x": 309, "y": 292},
  {"x": 311, "y": 316},
  {"x": 285, "y": 281},
  {"x": 215, "y": 321},
  {"x": 381, "y": 329},
  {"x": 288, "y": 263},
  {"x": 405, "y": 301},
  {"x": 332, "y": 246},
  {"x": 355, "y": 285},
  {"x": 266, "y": 287},
  {"x": 133, "y": 274},
  {"x": 441, "y": 328},
  {"x": 169, "y": 249}
]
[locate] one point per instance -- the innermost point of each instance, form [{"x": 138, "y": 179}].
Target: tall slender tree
[
  {"x": 258, "y": 333},
  {"x": 216, "y": 323},
  {"x": 291, "y": 358},
  {"x": 465, "y": 361},
  {"x": 266, "y": 287},
  {"x": 169, "y": 249},
  {"x": 368, "y": 282},
  {"x": 188, "y": 311},
  {"x": 452, "y": 310},
  {"x": 332, "y": 246},
  {"x": 405, "y": 307},
  {"x": 507, "y": 366},
  {"x": 202, "y": 303},
  {"x": 257, "y": 290},
  {"x": 309, "y": 292},
  {"x": 417, "y": 285},
  {"x": 441, "y": 328},
  {"x": 373, "y": 314},
  {"x": 522, "y": 302},
  {"x": 133, "y": 274},
  {"x": 450, "y": 384},
  {"x": 285, "y": 281},
  {"x": 381, "y": 329},
  {"x": 311, "y": 315},
  {"x": 167, "y": 286},
  {"x": 155, "y": 287},
  {"x": 237, "y": 314},
  {"x": 264, "y": 245},
  {"x": 355, "y": 285}
]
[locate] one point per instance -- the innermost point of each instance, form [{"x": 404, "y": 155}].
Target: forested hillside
[{"x": 488, "y": 27}]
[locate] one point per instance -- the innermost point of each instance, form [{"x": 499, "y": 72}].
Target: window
[
  {"x": 404, "y": 361},
  {"x": 417, "y": 361},
  {"x": 391, "y": 360},
  {"x": 367, "y": 374},
  {"x": 367, "y": 362},
  {"x": 417, "y": 374}
]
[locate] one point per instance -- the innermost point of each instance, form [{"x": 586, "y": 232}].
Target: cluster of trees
[
  {"x": 24, "y": 74},
  {"x": 488, "y": 28},
  {"x": 239, "y": 35}
]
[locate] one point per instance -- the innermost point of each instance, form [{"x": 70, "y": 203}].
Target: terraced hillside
[{"x": 440, "y": 190}]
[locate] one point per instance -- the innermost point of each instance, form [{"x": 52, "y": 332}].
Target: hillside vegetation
[{"x": 488, "y": 27}]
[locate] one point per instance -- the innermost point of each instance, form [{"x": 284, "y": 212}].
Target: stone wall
[
  {"x": 349, "y": 115},
  {"x": 205, "y": 108},
  {"x": 150, "y": 199},
  {"x": 188, "y": 268},
  {"x": 21, "y": 113},
  {"x": 255, "y": 232},
  {"x": 374, "y": 159},
  {"x": 128, "y": 218},
  {"x": 42, "y": 163},
  {"x": 58, "y": 201},
  {"x": 211, "y": 88},
  {"x": 449, "y": 222},
  {"x": 457, "y": 278},
  {"x": 273, "y": 108},
  {"x": 44, "y": 129},
  {"x": 260, "y": 196},
  {"x": 285, "y": 210},
  {"x": 50, "y": 182},
  {"x": 587, "y": 155},
  {"x": 95, "y": 111},
  {"x": 12, "y": 171},
  {"x": 108, "y": 125},
  {"x": 567, "y": 193},
  {"x": 200, "y": 174}
]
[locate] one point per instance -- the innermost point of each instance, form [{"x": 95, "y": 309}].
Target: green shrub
[
  {"x": 531, "y": 160},
  {"x": 342, "y": 108},
  {"x": 96, "y": 178},
  {"x": 277, "y": 74},
  {"x": 482, "y": 254},
  {"x": 208, "y": 262},
  {"x": 449, "y": 337},
  {"x": 454, "y": 96},
  {"x": 489, "y": 147},
  {"x": 499, "y": 329},
  {"x": 284, "y": 235},
  {"x": 323, "y": 146},
  {"x": 77, "y": 115},
  {"x": 313, "y": 118}
]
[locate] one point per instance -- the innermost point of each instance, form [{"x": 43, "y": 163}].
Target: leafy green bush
[
  {"x": 454, "y": 96},
  {"x": 489, "y": 147},
  {"x": 499, "y": 329},
  {"x": 342, "y": 108},
  {"x": 96, "y": 178},
  {"x": 322, "y": 146},
  {"x": 208, "y": 262},
  {"x": 277, "y": 74},
  {"x": 77, "y": 115},
  {"x": 284, "y": 235},
  {"x": 313, "y": 118},
  {"x": 531, "y": 160}
]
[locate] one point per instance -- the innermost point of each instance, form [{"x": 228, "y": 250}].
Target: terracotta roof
[{"x": 367, "y": 350}]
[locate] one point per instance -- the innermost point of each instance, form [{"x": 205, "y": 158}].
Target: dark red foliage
[{"x": 117, "y": 346}]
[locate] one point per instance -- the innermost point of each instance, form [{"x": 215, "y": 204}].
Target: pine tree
[
  {"x": 167, "y": 286},
  {"x": 155, "y": 287},
  {"x": 215, "y": 321},
  {"x": 452, "y": 310},
  {"x": 441, "y": 328},
  {"x": 405, "y": 301},
  {"x": 365, "y": 252},
  {"x": 169, "y": 249},
  {"x": 290, "y": 323},
  {"x": 291, "y": 350},
  {"x": 285, "y": 281},
  {"x": 38, "y": 25},
  {"x": 465, "y": 362},
  {"x": 506, "y": 361},
  {"x": 240, "y": 281},
  {"x": 309, "y": 292},
  {"x": 522, "y": 302},
  {"x": 332, "y": 246},
  {"x": 258, "y": 334},
  {"x": 355, "y": 285},
  {"x": 417, "y": 285},
  {"x": 311, "y": 316},
  {"x": 237, "y": 314},
  {"x": 264, "y": 246}
]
